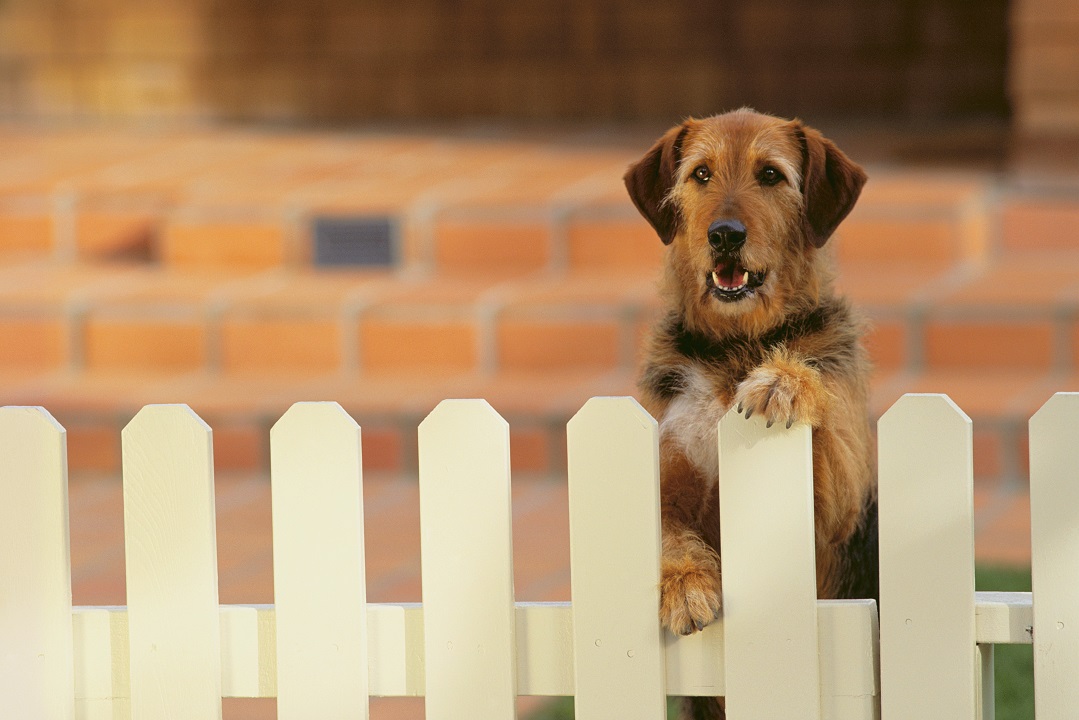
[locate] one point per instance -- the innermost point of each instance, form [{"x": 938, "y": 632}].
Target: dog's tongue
[{"x": 730, "y": 275}]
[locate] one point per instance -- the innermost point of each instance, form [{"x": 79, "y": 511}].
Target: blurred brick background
[
  {"x": 165, "y": 165},
  {"x": 596, "y": 59}
]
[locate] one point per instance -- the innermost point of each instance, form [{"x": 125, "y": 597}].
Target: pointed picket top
[
  {"x": 171, "y": 546},
  {"x": 615, "y": 412},
  {"x": 320, "y": 593},
  {"x": 769, "y": 587},
  {"x": 613, "y": 458},
  {"x": 469, "y": 627},
  {"x": 931, "y": 407},
  {"x": 313, "y": 418},
  {"x": 929, "y": 660},
  {"x": 167, "y": 416},
  {"x": 1054, "y": 506},
  {"x": 475, "y": 413},
  {"x": 36, "y": 664}
]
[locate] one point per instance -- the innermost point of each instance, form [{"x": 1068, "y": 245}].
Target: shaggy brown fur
[{"x": 745, "y": 202}]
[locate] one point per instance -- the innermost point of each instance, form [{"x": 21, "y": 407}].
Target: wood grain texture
[
  {"x": 769, "y": 569},
  {"x": 1054, "y": 510},
  {"x": 171, "y": 545},
  {"x": 613, "y": 455},
  {"x": 929, "y": 662},
  {"x": 318, "y": 552},
  {"x": 467, "y": 562},
  {"x": 36, "y": 673}
]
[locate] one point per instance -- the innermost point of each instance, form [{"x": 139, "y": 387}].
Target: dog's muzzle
[
  {"x": 726, "y": 236},
  {"x": 730, "y": 280}
]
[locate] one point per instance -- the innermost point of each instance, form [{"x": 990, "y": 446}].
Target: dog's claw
[
  {"x": 789, "y": 423},
  {"x": 740, "y": 408},
  {"x": 770, "y": 423},
  {"x": 749, "y": 413}
]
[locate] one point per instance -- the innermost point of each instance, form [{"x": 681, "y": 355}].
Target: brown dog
[{"x": 745, "y": 202}]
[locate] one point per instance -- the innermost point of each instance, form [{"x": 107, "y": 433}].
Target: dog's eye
[
  {"x": 702, "y": 174},
  {"x": 770, "y": 176}
]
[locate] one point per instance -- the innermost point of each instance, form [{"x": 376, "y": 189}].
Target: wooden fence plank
[
  {"x": 36, "y": 651},
  {"x": 318, "y": 553},
  {"x": 769, "y": 569},
  {"x": 171, "y": 546},
  {"x": 614, "y": 560},
  {"x": 467, "y": 562},
  {"x": 1054, "y": 511},
  {"x": 930, "y": 665}
]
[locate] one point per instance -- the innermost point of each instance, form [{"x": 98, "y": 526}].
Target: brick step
[
  {"x": 505, "y": 207},
  {"x": 1018, "y": 313},
  {"x": 170, "y": 323}
]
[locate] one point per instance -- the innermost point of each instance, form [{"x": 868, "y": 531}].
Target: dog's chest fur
[
  {"x": 691, "y": 418},
  {"x": 698, "y": 376}
]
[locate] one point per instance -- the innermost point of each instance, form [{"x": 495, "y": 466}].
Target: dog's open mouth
[{"x": 731, "y": 281}]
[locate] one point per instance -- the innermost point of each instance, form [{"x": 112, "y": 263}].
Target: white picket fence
[{"x": 322, "y": 650}]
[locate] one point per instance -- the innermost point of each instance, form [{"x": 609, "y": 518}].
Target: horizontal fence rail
[{"x": 470, "y": 648}]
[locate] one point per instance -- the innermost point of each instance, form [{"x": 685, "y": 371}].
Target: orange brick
[
  {"x": 253, "y": 245},
  {"x": 110, "y": 235},
  {"x": 885, "y": 240},
  {"x": 153, "y": 345},
  {"x": 25, "y": 234},
  {"x": 295, "y": 345},
  {"x": 239, "y": 447},
  {"x": 1041, "y": 225},
  {"x": 388, "y": 344},
  {"x": 93, "y": 448},
  {"x": 530, "y": 449},
  {"x": 491, "y": 247},
  {"x": 991, "y": 344},
  {"x": 886, "y": 342},
  {"x": 33, "y": 343},
  {"x": 383, "y": 449},
  {"x": 543, "y": 345},
  {"x": 988, "y": 455},
  {"x": 623, "y": 245}
]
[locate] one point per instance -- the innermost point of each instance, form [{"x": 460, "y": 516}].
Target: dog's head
[{"x": 746, "y": 201}]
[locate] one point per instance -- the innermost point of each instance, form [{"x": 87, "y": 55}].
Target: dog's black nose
[{"x": 726, "y": 235}]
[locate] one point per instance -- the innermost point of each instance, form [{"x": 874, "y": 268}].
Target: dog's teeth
[
  {"x": 745, "y": 278},
  {"x": 715, "y": 278}
]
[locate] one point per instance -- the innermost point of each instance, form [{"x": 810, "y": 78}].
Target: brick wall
[
  {"x": 1044, "y": 82},
  {"x": 339, "y": 60}
]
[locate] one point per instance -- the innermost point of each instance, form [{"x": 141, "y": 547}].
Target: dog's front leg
[
  {"x": 784, "y": 389},
  {"x": 690, "y": 585}
]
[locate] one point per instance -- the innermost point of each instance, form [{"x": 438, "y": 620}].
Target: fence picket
[
  {"x": 318, "y": 551},
  {"x": 613, "y": 456},
  {"x": 36, "y": 660},
  {"x": 171, "y": 546},
  {"x": 467, "y": 562},
  {"x": 930, "y": 665},
  {"x": 1054, "y": 507},
  {"x": 769, "y": 569}
]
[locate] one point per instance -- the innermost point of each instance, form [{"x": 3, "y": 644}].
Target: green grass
[
  {"x": 1014, "y": 663},
  {"x": 1014, "y": 675},
  {"x": 562, "y": 709}
]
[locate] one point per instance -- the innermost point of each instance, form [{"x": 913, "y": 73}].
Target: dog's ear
[
  {"x": 650, "y": 179},
  {"x": 831, "y": 183}
]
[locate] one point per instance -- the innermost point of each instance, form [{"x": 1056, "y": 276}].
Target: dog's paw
[
  {"x": 689, "y": 592},
  {"x": 783, "y": 392}
]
